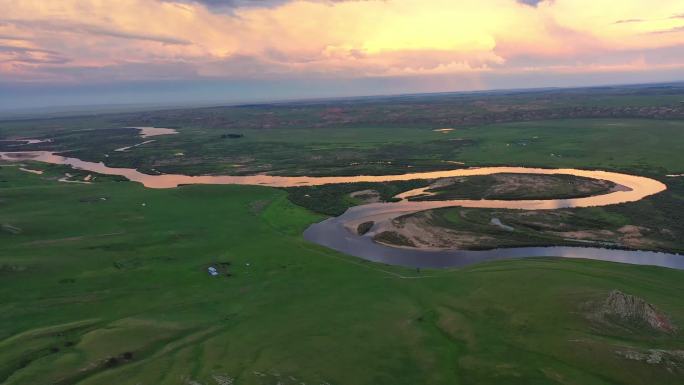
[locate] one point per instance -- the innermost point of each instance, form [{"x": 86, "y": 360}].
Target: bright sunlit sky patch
[{"x": 101, "y": 51}]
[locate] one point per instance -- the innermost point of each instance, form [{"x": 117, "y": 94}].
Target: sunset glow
[{"x": 97, "y": 41}]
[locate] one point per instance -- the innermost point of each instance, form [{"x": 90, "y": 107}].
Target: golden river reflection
[
  {"x": 334, "y": 232},
  {"x": 635, "y": 187}
]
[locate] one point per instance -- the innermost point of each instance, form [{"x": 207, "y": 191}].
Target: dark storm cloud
[{"x": 532, "y": 3}]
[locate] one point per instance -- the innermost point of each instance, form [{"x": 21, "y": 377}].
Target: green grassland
[
  {"x": 106, "y": 283},
  {"x": 113, "y": 292},
  {"x": 335, "y": 199},
  {"x": 606, "y": 127},
  {"x": 636, "y": 145},
  {"x": 645, "y": 146}
]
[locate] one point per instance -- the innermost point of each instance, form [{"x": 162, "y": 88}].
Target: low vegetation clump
[
  {"x": 335, "y": 199},
  {"x": 231, "y": 136},
  {"x": 393, "y": 238},
  {"x": 364, "y": 227}
]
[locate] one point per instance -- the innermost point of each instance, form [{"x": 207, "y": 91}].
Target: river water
[
  {"x": 338, "y": 233},
  {"x": 333, "y": 233}
]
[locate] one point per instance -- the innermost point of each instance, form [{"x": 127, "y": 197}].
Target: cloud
[
  {"x": 627, "y": 21},
  {"x": 12, "y": 37},
  {"x": 22, "y": 55},
  {"x": 670, "y": 30},
  {"x": 231, "y": 4},
  {"x": 91, "y": 40},
  {"x": 77, "y": 28},
  {"x": 532, "y": 3}
]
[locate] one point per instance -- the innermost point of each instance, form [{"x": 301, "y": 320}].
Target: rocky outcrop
[{"x": 630, "y": 311}]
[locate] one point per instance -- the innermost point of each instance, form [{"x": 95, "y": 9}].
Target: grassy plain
[
  {"x": 617, "y": 144},
  {"x": 606, "y": 127},
  {"x": 110, "y": 291},
  {"x": 106, "y": 283}
]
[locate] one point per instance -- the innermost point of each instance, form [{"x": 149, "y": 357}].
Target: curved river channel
[{"x": 339, "y": 233}]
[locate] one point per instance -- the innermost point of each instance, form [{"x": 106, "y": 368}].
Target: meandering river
[{"x": 336, "y": 233}]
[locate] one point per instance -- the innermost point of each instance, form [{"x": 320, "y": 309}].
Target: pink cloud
[{"x": 88, "y": 40}]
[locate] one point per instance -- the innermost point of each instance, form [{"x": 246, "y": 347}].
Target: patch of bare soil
[
  {"x": 366, "y": 196},
  {"x": 672, "y": 360},
  {"x": 630, "y": 312},
  {"x": 627, "y": 236},
  {"x": 68, "y": 179},
  {"x": 634, "y": 236},
  {"x": 510, "y": 186},
  {"x": 515, "y": 183},
  {"x": 420, "y": 233},
  {"x": 586, "y": 235}
]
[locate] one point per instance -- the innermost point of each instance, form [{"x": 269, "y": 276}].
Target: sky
[{"x": 87, "y": 52}]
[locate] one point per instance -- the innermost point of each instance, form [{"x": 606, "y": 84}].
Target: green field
[
  {"x": 109, "y": 291},
  {"x": 616, "y": 144},
  {"x": 625, "y": 128},
  {"x": 107, "y": 283}
]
